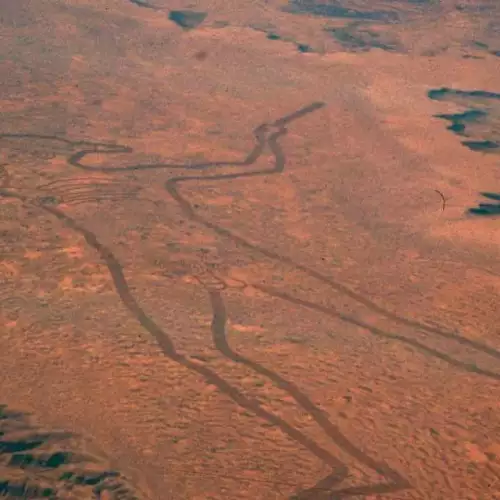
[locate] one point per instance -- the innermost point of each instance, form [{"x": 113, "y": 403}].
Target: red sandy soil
[{"x": 311, "y": 323}]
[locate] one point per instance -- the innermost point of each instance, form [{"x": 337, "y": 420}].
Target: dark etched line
[
  {"x": 468, "y": 367},
  {"x": 108, "y": 147},
  {"x": 317, "y": 493},
  {"x": 171, "y": 187},
  {"x": 81, "y": 201},
  {"x": 260, "y": 134},
  {"x": 279, "y": 164},
  {"x": 98, "y": 190},
  {"x": 332, "y": 431},
  {"x": 255, "y": 153},
  {"x": 271, "y": 141},
  {"x": 443, "y": 206},
  {"x": 108, "y": 189},
  {"x": 168, "y": 348},
  {"x": 165, "y": 343},
  {"x": 187, "y": 208},
  {"x": 96, "y": 193},
  {"x": 80, "y": 181},
  {"x": 285, "y": 120}
]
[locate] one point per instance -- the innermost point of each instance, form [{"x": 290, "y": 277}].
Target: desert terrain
[{"x": 250, "y": 250}]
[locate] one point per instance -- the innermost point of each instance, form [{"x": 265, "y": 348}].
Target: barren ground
[{"x": 250, "y": 250}]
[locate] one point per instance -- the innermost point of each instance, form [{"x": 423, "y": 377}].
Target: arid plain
[{"x": 250, "y": 250}]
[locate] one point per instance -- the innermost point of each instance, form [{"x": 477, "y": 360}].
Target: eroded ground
[{"x": 250, "y": 250}]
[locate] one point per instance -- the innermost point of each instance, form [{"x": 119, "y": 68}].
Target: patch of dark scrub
[
  {"x": 304, "y": 48},
  {"x": 355, "y": 39},
  {"x": 491, "y": 196},
  {"x": 36, "y": 463},
  {"x": 187, "y": 19},
  {"x": 487, "y": 209},
  {"x": 142, "y": 3},
  {"x": 481, "y": 145},
  {"x": 337, "y": 10},
  {"x": 443, "y": 92},
  {"x": 473, "y": 7},
  {"x": 480, "y": 123},
  {"x": 17, "y": 489},
  {"x": 459, "y": 120}
]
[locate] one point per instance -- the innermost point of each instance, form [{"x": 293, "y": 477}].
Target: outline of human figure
[
  {"x": 266, "y": 136},
  {"x": 273, "y": 131}
]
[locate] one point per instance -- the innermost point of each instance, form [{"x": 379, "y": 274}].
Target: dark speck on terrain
[
  {"x": 201, "y": 55},
  {"x": 302, "y": 47}
]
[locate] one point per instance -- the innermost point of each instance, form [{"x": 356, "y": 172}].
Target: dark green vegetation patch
[
  {"x": 187, "y": 19},
  {"x": 38, "y": 463},
  {"x": 479, "y": 127}
]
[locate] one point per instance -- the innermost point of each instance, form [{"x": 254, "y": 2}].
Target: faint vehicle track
[{"x": 76, "y": 191}]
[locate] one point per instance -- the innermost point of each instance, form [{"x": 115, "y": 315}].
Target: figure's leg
[
  {"x": 172, "y": 186},
  {"x": 167, "y": 346},
  {"x": 215, "y": 288}
]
